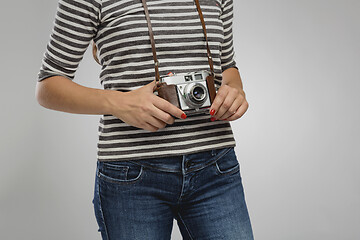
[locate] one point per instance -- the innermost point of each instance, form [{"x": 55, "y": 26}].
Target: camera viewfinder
[
  {"x": 198, "y": 76},
  {"x": 188, "y": 78}
]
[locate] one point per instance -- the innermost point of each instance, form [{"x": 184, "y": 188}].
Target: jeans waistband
[{"x": 188, "y": 162}]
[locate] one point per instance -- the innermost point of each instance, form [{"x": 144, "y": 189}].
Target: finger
[
  {"x": 151, "y": 86},
  {"x": 155, "y": 122},
  {"x": 149, "y": 127},
  {"x": 226, "y": 104},
  {"x": 232, "y": 109},
  {"x": 224, "y": 107},
  {"x": 239, "y": 112},
  {"x": 168, "y": 107},
  {"x": 161, "y": 115},
  {"x": 219, "y": 99}
]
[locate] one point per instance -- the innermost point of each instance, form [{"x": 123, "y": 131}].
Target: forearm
[
  {"x": 62, "y": 94},
  {"x": 231, "y": 77}
]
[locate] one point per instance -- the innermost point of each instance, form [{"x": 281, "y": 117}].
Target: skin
[
  {"x": 230, "y": 102},
  {"x": 140, "y": 107}
]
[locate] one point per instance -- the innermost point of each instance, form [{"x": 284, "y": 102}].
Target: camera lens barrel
[{"x": 196, "y": 94}]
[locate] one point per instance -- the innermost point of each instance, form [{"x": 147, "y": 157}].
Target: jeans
[{"x": 138, "y": 199}]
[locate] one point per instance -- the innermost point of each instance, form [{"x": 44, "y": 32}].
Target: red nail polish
[
  {"x": 225, "y": 119},
  {"x": 212, "y": 119},
  {"x": 183, "y": 116},
  {"x": 212, "y": 112}
]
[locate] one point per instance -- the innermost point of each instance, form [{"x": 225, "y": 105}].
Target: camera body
[{"x": 192, "y": 92}]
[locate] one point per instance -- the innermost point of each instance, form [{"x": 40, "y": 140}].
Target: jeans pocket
[
  {"x": 227, "y": 164},
  {"x": 121, "y": 172}
]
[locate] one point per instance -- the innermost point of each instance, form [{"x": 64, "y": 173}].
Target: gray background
[{"x": 298, "y": 143}]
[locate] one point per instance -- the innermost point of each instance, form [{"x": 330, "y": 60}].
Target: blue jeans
[{"x": 138, "y": 199}]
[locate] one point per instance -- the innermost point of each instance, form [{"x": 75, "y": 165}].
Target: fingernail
[
  {"x": 225, "y": 119},
  {"x": 183, "y": 116},
  {"x": 212, "y": 112},
  {"x": 212, "y": 119}
]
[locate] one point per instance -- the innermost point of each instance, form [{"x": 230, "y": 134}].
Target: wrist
[{"x": 109, "y": 100}]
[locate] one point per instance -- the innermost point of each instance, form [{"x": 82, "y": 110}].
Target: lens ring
[
  {"x": 189, "y": 97},
  {"x": 195, "y": 95}
]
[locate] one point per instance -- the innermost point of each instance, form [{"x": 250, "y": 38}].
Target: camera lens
[
  {"x": 195, "y": 94},
  {"x": 198, "y": 93}
]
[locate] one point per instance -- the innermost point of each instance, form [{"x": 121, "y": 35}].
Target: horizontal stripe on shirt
[{"x": 119, "y": 30}]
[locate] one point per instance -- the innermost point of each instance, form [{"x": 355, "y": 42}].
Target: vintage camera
[{"x": 192, "y": 92}]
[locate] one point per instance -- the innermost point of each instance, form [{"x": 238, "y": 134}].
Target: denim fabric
[{"x": 138, "y": 199}]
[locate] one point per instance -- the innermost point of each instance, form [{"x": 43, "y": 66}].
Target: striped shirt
[{"x": 119, "y": 30}]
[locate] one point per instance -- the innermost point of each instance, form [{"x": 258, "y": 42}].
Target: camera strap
[{"x": 157, "y": 76}]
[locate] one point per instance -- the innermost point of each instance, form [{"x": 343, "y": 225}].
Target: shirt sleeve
[
  {"x": 227, "y": 47},
  {"x": 75, "y": 25}
]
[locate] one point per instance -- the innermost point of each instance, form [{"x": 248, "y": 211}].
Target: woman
[{"x": 154, "y": 163}]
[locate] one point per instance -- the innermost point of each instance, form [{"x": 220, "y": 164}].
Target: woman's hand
[
  {"x": 143, "y": 109},
  {"x": 230, "y": 102}
]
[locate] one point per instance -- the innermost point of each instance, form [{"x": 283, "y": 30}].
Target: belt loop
[{"x": 183, "y": 164}]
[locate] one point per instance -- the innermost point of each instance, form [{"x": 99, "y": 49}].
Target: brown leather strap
[
  {"x": 207, "y": 44},
  {"x": 157, "y": 76}
]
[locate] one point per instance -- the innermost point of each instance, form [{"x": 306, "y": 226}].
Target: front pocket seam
[
  {"x": 116, "y": 167},
  {"x": 114, "y": 180},
  {"x": 228, "y": 171}
]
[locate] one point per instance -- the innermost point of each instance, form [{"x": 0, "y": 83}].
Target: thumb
[{"x": 152, "y": 85}]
